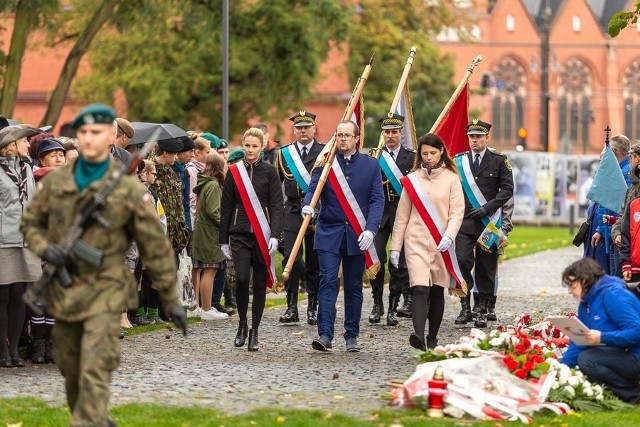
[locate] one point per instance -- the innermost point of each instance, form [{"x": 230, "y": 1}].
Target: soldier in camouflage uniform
[{"x": 86, "y": 345}]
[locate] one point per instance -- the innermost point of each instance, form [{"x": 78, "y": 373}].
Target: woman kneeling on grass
[{"x": 612, "y": 314}]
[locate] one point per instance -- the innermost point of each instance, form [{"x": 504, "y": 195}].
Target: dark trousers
[
  {"x": 246, "y": 256},
  {"x": 352, "y": 270},
  {"x": 614, "y": 367},
  {"x": 218, "y": 283},
  {"x": 310, "y": 262},
  {"x": 615, "y": 269},
  {"x": 399, "y": 281},
  {"x": 485, "y": 264}
]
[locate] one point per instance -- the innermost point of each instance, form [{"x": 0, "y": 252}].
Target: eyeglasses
[{"x": 344, "y": 135}]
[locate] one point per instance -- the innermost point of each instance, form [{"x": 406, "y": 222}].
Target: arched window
[
  {"x": 631, "y": 99},
  {"x": 508, "y": 94},
  {"x": 575, "y": 88},
  {"x": 510, "y": 23}
]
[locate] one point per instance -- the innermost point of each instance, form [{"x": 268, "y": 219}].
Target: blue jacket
[
  {"x": 364, "y": 178},
  {"x": 599, "y": 253},
  {"x": 612, "y": 309}
]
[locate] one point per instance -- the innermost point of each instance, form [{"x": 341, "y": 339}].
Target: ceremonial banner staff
[
  {"x": 326, "y": 161},
  {"x": 398, "y": 95}
]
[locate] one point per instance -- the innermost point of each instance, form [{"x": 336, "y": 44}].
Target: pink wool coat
[{"x": 425, "y": 263}]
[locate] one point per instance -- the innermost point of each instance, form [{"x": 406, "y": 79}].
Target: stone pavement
[{"x": 205, "y": 369}]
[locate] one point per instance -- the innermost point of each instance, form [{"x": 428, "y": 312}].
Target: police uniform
[
  {"x": 495, "y": 181},
  {"x": 293, "y": 221},
  {"x": 399, "y": 281},
  {"x": 86, "y": 344}
]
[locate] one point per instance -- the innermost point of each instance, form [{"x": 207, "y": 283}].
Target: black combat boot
[
  {"x": 476, "y": 306},
  {"x": 48, "y": 351},
  {"x": 39, "y": 349},
  {"x": 241, "y": 335},
  {"x": 465, "y": 312},
  {"x": 405, "y": 310},
  {"x": 312, "y": 310},
  {"x": 491, "y": 309},
  {"x": 376, "y": 312},
  {"x": 481, "y": 320},
  {"x": 291, "y": 314},
  {"x": 392, "y": 320},
  {"x": 253, "y": 340}
]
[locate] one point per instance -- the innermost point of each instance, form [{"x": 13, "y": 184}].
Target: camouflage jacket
[
  {"x": 131, "y": 216},
  {"x": 169, "y": 190}
]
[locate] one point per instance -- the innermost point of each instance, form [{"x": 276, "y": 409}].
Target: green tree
[
  {"x": 390, "y": 29},
  {"x": 165, "y": 55},
  {"x": 620, "y": 20}
]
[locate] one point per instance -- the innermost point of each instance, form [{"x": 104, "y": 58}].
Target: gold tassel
[{"x": 372, "y": 271}]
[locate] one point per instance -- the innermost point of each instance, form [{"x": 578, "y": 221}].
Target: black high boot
[
  {"x": 481, "y": 320},
  {"x": 39, "y": 349},
  {"x": 491, "y": 309},
  {"x": 476, "y": 306},
  {"x": 48, "y": 351},
  {"x": 312, "y": 309},
  {"x": 253, "y": 340},
  {"x": 376, "y": 312},
  {"x": 241, "y": 335},
  {"x": 291, "y": 314},
  {"x": 465, "y": 312},
  {"x": 405, "y": 309},
  {"x": 391, "y": 314}
]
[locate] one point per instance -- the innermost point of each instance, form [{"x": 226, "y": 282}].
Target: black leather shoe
[
  {"x": 352, "y": 345},
  {"x": 376, "y": 313},
  {"x": 253, "y": 340},
  {"x": 290, "y": 316},
  {"x": 241, "y": 335},
  {"x": 392, "y": 320},
  {"x": 17, "y": 362},
  {"x": 312, "y": 310},
  {"x": 481, "y": 320},
  {"x": 39, "y": 347},
  {"x": 321, "y": 344},
  {"x": 432, "y": 343},
  {"x": 6, "y": 363},
  {"x": 416, "y": 342},
  {"x": 491, "y": 310}
]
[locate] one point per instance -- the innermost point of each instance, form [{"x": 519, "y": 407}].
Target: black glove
[
  {"x": 54, "y": 254},
  {"x": 179, "y": 317},
  {"x": 478, "y": 213}
]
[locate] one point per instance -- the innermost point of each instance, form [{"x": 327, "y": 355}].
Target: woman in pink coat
[{"x": 435, "y": 177}]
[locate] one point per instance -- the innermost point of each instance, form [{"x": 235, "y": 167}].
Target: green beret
[
  {"x": 223, "y": 143},
  {"x": 214, "y": 141},
  {"x": 94, "y": 114},
  {"x": 236, "y": 155}
]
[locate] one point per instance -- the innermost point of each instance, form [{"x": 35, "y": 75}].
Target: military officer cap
[
  {"x": 391, "y": 121},
  {"x": 303, "y": 118},
  {"x": 236, "y": 155},
  {"x": 125, "y": 127},
  {"x": 478, "y": 127},
  {"x": 187, "y": 144},
  {"x": 94, "y": 114},
  {"x": 173, "y": 145},
  {"x": 214, "y": 141},
  {"x": 13, "y": 133},
  {"x": 49, "y": 144}
]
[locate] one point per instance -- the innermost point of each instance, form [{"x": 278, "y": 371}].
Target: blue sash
[
  {"x": 295, "y": 165},
  {"x": 392, "y": 171}
]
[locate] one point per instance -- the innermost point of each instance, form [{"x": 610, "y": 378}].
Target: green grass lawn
[
  {"x": 27, "y": 412},
  {"x": 525, "y": 240}
]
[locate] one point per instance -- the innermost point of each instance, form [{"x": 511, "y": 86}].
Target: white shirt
[
  {"x": 309, "y": 145},
  {"x": 395, "y": 152},
  {"x": 482, "y": 153}
]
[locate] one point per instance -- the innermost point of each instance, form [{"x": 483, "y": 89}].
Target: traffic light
[{"x": 521, "y": 145}]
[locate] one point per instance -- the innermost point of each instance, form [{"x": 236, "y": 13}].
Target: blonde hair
[
  {"x": 255, "y": 132},
  {"x": 201, "y": 143},
  {"x": 148, "y": 166},
  {"x": 10, "y": 150}
]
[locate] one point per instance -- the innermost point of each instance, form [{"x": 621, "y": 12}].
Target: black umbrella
[{"x": 145, "y": 130}]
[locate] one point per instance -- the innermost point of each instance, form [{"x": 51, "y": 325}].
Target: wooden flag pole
[
  {"x": 396, "y": 98},
  {"x": 328, "y": 162},
  {"x": 463, "y": 82}
]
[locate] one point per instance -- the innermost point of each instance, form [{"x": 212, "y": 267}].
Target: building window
[
  {"x": 511, "y": 23},
  {"x": 575, "y": 88},
  {"x": 631, "y": 100},
  {"x": 576, "y": 24},
  {"x": 508, "y": 94},
  {"x": 463, "y": 4}
]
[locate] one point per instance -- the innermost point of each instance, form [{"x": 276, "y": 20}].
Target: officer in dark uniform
[
  {"x": 391, "y": 125},
  {"x": 492, "y": 175},
  {"x": 294, "y": 163}
]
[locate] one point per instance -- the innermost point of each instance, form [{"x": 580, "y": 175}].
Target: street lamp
[{"x": 544, "y": 79}]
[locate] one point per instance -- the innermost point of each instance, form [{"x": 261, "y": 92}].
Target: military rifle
[{"x": 89, "y": 213}]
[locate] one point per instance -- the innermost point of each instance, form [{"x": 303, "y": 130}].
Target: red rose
[
  {"x": 528, "y": 366},
  {"x": 521, "y": 373}
]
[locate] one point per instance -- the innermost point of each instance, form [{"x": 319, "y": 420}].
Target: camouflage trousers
[{"x": 86, "y": 353}]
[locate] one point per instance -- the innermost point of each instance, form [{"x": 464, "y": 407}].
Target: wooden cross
[{"x": 607, "y": 131}]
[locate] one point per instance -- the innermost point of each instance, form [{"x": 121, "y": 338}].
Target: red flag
[{"x": 453, "y": 127}]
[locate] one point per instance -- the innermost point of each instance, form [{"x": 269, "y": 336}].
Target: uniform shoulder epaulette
[
  {"x": 495, "y": 151},
  {"x": 411, "y": 150}
]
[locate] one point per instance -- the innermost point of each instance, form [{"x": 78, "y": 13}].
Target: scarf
[
  {"x": 428, "y": 168},
  {"x": 85, "y": 172},
  {"x": 20, "y": 178}
]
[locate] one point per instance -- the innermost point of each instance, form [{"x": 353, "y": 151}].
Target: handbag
[
  {"x": 580, "y": 236},
  {"x": 184, "y": 282}
]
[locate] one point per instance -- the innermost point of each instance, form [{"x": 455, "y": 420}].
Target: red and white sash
[
  {"x": 436, "y": 227},
  {"x": 353, "y": 213},
  {"x": 256, "y": 216}
]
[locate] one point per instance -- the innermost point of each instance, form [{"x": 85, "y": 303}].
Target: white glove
[
  {"x": 394, "y": 258},
  {"x": 445, "y": 244},
  {"x": 365, "y": 240},
  {"x": 273, "y": 245},
  {"x": 307, "y": 210},
  {"x": 226, "y": 250}
]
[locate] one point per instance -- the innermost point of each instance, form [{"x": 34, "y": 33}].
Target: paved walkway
[{"x": 205, "y": 368}]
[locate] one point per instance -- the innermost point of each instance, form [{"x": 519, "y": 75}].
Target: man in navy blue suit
[{"x": 336, "y": 240}]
